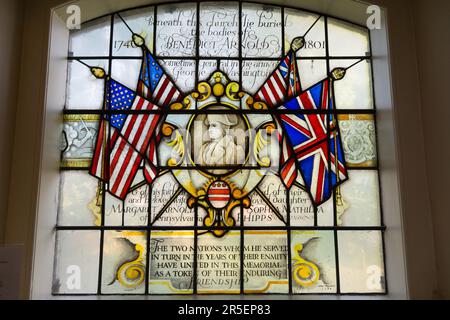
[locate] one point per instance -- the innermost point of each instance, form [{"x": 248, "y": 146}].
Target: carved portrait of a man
[{"x": 220, "y": 147}]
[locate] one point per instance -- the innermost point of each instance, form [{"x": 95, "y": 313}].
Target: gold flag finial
[
  {"x": 98, "y": 72},
  {"x": 298, "y": 43},
  {"x": 138, "y": 40},
  {"x": 338, "y": 73}
]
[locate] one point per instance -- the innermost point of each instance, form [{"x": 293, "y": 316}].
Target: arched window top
[{"x": 258, "y": 22}]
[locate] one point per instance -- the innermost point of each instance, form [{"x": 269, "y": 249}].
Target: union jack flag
[
  {"x": 282, "y": 85},
  {"x": 156, "y": 86},
  {"x": 123, "y": 138},
  {"x": 316, "y": 141}
]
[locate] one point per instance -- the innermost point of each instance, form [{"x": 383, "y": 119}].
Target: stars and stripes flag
[
  {"x": 123, "y": 138},
  {"x": 155, "y": 85},
  {"x": 316, "y": 141},
  {"x": 281, "y": 86}
]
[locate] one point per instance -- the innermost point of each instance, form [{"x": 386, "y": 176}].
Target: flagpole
[{"x": 336, "y": 75}]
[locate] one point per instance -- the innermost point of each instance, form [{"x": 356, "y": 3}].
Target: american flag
[
  {"x": 283, "y": 85},
  {"x": 156, "y": 86},
  {"x": 316, "y": 141},
  {"x": 123, "y": 138}
]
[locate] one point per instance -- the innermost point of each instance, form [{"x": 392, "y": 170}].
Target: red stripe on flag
[
  {"x": 320, "y": 181},
  {"x": 161, "y": 90},
  {"x": 274, "y": 93},
  {"x": 131, "y": 176},
  {"x": 98, "y": 149},
  {"x": 119, "y": 178},
  {"x": 306, "y": 102},
  {"x": 169, "y": 95},
  {"x": 266, "y": 97},
  {"x": 296, "y": 125}
]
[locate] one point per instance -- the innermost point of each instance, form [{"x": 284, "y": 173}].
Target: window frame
[{"x": 380, "y": 75}]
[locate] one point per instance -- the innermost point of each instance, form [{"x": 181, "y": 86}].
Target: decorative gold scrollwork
[
  {"x": 167, "y": 129},
  {"x": 183, "y": 105},
  {"x": 132, "y": 274},
  {"x": 203, "y": 91},
  {"x": 256, "y": 105},
  {"x": 177, "y": 145},
  {"x": 262, "y": 139},
  {"x": 260, "y": 143},
  {"x": 304, "y": 273},
  {"x": 233, "y": 91}
]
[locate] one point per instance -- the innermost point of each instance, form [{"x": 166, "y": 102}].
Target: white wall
[
  {"x": 11, "y": 20},
  {"x": 432, "y": 27}
]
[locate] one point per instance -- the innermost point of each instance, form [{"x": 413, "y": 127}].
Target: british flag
[
  {"x": 316, "y": 141},
  {"x": 156, "y": 86},
  {"x": 123, "y": 138},
  {"x": 282, "y": 85}
]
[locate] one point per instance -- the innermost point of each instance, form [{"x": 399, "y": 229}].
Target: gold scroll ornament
[
  {"x": 304, "y": 273},
  {"x": 132, "y": 274}
]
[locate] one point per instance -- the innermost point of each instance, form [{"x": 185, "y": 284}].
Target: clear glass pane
[
  {"x": 261, "y": 31},
  {"x": 126, "y": 72},
  {"x": 302, "y": 210},
  {"x": 361, "y": 200},
  {"x": 84, "y": 91},
  {"x": 231, "y": 69},
  {"x": 176, "y": 30},
  {"x": 255, "y": 73},
  {"x": 92, "y": 39},
  {"x": 77, "y": 262},
  {"x": 206, "y": 68},
  {"x": 261, "y": 214},
  {"x": 79, "y": 140},
  {"x": 141, "y": 22},
  {"x": 169, "y": 203},
  {"x": 131, "y": 212},
  {"x": 113, "y": 210},
  {"x": 219, "y": 29},
  {"x": 219, "y": 263},
  {"x": 171, "y": 262},
  {"x": 359, "y": 139},
  {"x": 79, "y": 203},
  {"x": 354, "y": 91},
  {"x": 361, "y": 267},
  {"x": 297, "y": 23},
  {"x": 265, "y": 262},
  {"x": 346, "y": 39},
  {"x": 311, "y": 72},
  {"x": 182, "y": 72},
  {"x": 313, "y": 262},
  {"x": 268, "y": 204},
  {"x": 137, "y": 206},
  {"x": 124, "y": 262}
]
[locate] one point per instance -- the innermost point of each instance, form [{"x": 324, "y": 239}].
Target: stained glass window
[{"x": 219, "y": 147}]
